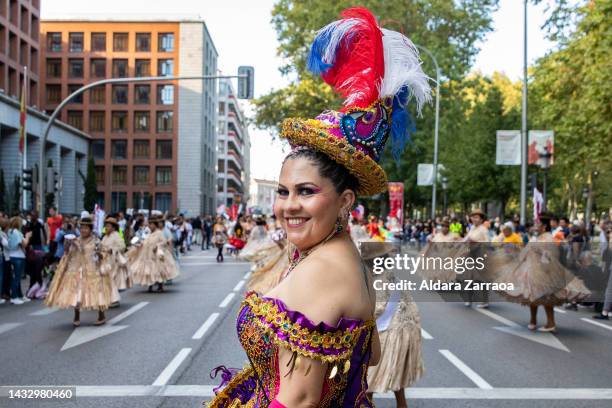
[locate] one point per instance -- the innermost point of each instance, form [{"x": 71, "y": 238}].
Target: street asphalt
[{"x": 158, "y": 349}]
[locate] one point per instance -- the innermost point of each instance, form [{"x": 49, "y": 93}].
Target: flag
[
  {"x": 538, "y": 200},
  {"x": 22, "y": 118}
]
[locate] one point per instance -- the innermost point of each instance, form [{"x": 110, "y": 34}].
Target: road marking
[
  {"x": 497, "y": 317},
  {"x": 469, "y": 373},
  {"x": 214, "y": 263},
  {"x": 559, "y": 310},
  {"x": 239, "y": 286},
  {"x": 426, "y": 335},
  {"x": 5, "y": 327},
  {"x": 206, "y": 391},
  {"x": 128, "y": 312},
  {"x": 605, "y": 326},
  {"x": 84, "y": 334},
  {"x": 204, "y": 328},
  {"x": 247, "y": 275},
  {"x": 45, "y": 311},
  {"x": 227, "y": 299},
  {"x": 165, "y": 375},
  {"x": 545, "y": 338}
]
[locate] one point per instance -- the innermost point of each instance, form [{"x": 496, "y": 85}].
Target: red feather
[{"x": 359, "y": 66}]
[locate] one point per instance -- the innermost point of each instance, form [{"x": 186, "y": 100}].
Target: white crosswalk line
[
  {"x": 238, "y": 286},
  {"x": 165, "y": 375},
  {"x": 128, "y": 312},
  {"x": 469, "y": 373},
  {"x": 45, "y": 311},
  {"x": 497, "y": 317},
  {"x": 204, "y": 328},
  {"x": 5, "y": 327}
]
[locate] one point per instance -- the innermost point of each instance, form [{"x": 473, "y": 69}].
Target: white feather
[
  {"x": 339, "y": 30},
  {"x": 403, "y": 67}
]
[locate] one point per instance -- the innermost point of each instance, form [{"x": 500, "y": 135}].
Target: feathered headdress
[{"x": 377, "y": 72}]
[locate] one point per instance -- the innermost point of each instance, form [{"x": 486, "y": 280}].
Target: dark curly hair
[{"x": 340, "y": 177}]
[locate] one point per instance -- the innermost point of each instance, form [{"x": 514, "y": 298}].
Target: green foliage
[
  {"x": 570, "y": 93},
  {"x": 91, "y": 189}
]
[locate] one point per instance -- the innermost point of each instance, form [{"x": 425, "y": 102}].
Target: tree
[
  {"x": 89, "y": 182},
  {"x": 450, "y": 29}
]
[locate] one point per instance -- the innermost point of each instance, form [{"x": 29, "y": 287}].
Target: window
[
  {"x": 163, "y": 175},
  {"x": 119, "y": 149},
  {"x": 75, "y": 42},
  {"x": 164, "y": 150},
  {"x": 75, "y": 68},
  {"x": 120, "y": 68},
  {"x": 143, "y": 42},
  {"x": 142, "y": 200},
  {"x": 141, "y": 121},
  {"x": 165, "y": 42},
  {"x": 54, "y": 42},
  {"x": 54, "y": 93},
  {"x": 120, "y": 42},
  {"x": 143, "y": 67},
  {"x": 141, "y": 175},
  {"x": 141, "y": 149},
  {"x": 165, "y": 67},
  {"x": 163, "y": 201},
  {"x": 96, "y": 121},
  {"x": 164, "y": 121},
  {"x": 120, "y": 94},
  {"x": 221, "y": 147},
  {"x": 119, "y": 175},
  {"x": 71, "y": 89},
  {"x": 221, "y": 127},
  {"x": 54, "y": 68},
  {"x": 119, "y": 200},
  {"x": 141, "y": 94},
  {"x": 99, "y": 175},
  {"x": 98, "y": 42},
  {"x": 75, "y": 119},
  {"x": 119, "y": 120},
  {"x": 165, "y": 94},
  {"x": 221, "y": 108},
  {"x": 97, "y": 150},
  {"x": 97, "y": 95},
  {"x": 98, "y": 67}
]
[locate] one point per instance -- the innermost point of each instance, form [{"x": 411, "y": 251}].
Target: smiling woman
[{"x": 311, "y": 338}]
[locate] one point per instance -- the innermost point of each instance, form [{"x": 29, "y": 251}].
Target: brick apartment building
[{"x": 139, "y": 130}]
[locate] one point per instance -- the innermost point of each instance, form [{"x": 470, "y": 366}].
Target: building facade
[
  {"x": 139, "y": 130},
  {"x": 263, "y": 193},
  {"x": 66, "y": 147},
  {"x": 233, "y": 149}
]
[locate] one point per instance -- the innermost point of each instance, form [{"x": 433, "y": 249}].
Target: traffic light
[
  {"x": 52, "y": 180},
  {"x": 26, "y": 180},
  {"x": 532, "y": 182},
  {"x": 246, "y": 82}
]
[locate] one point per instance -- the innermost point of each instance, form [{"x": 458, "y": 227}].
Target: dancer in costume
[
  {"x": 399, "y": 328},
  {"x": 152, "y": 261},
  {"x": 271, "y": 269},
  {"x": 540, "y": 279},
  {"x": 311, "y": 339},
  {"x": 358, "y": 231},
  {"x": 114, "y": 261},
  {"x": 79, "y": 282},
  {"x": 475, "y": 238},
  {"x": 219, "y": 237},
  {"x": 259, "y": 244},
  {"x": 443, "y": 244}
]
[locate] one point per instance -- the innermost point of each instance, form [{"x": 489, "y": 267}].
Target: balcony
[{"x": 233, "y": 156}]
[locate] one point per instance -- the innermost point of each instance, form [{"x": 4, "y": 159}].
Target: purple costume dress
[{"x": 265, "y": 325}]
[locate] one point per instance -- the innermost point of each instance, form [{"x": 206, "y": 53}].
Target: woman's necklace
[{"x": 291, "y": 253}]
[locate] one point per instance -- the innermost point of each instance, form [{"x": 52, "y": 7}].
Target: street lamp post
[
  {"x": 436, "y": 128},
  {"x": 523, "y": 202},
  {"x": 545, "y": 160},
  {"x": 41, "y": 168},
  {"x": 444, "y": 189}
]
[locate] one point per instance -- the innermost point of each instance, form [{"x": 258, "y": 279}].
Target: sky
[{"x": 243, "y": 35}]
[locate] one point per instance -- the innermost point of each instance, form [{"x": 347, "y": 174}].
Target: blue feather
[
  {"x": 325, "y": 46},
  {"x": 401, "y": 124}
]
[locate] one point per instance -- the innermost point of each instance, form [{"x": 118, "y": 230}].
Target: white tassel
[{"x": 403, "y": 67}]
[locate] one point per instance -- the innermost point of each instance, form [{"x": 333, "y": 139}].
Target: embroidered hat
[{"x": 377, "y": 71}]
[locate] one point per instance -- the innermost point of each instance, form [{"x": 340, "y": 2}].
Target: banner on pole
[
  {"x": 425, "y": 174},
  {"x": 541, "y": 147},
  {"x": 396, "y": 201},
  {"x": 508, "y": 148}
]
